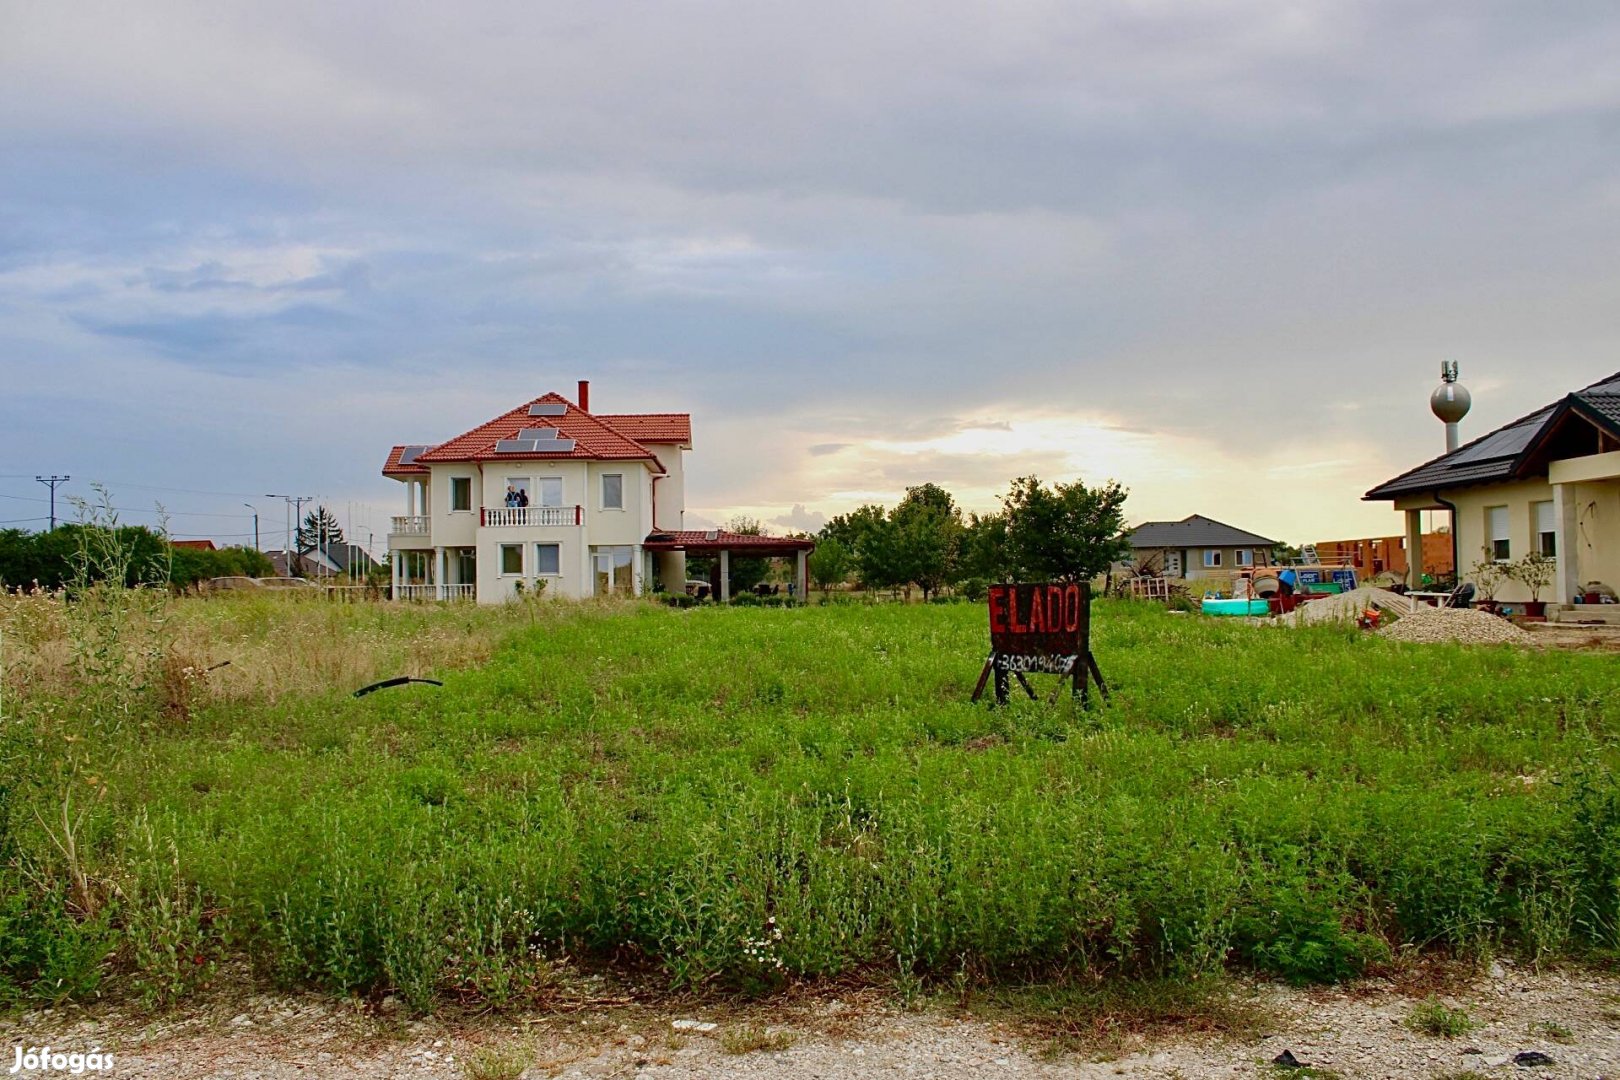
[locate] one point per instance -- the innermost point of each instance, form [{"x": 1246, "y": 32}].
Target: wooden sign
[{"x": 1043, "y": 629}]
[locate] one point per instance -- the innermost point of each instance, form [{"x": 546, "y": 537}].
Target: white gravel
[
  {"x": 1352, "y": 1033},
  {"x": 1465, "y": 625}
]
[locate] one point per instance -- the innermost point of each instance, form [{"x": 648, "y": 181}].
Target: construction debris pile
[
  {"x": 1346, "y": 607},
  {"x": 1463, "y": 625},
  {"x": 1408, "y": 620}
]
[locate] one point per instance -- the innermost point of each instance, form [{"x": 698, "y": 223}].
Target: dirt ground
[
  {"x": 1574, "y": 636},
  {"x": 1359, "y": 1031}
]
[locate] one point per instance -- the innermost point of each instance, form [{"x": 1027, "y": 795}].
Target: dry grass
[
  {"x": 498, "y": 1063},
  {"x": 747, "y": 1038},
  {"x": 238, "y": 647}
]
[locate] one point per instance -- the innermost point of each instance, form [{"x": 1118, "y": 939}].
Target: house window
[
  {"x": 1243, "y": 557},
  {"x": 517, "y": 491},
  {"x": 550, "y": 488},
  {"x": 1212, "y": 558},
  {"x": 547, "y": 559},
  {"x": 1546, "y": 532},
  {"x": 511, "y": 560},
  {"x": 613, "y": 491},
  {"x": 611, "y": 569},
  {"x": 1496, "y": 533},
  {"x": 461, "y": 493}
]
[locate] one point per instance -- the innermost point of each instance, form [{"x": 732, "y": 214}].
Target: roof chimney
[{"x": 584, "y": 395}]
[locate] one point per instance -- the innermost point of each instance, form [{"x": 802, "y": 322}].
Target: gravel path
[{"x": 1352, "y": 1033}]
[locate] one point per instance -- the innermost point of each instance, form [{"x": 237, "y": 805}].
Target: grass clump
[
  {"x": 1431, "y": 1016},
  {"x": 748, "y": 1038},
  {"x": 497, "y": 1063},
  {"x": 1553, "y": 1030}
]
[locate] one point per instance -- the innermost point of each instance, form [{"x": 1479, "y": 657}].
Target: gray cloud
[{"x": 825, "y": 224}]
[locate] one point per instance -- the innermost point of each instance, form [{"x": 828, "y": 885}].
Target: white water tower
[{"x": 1450, "y": 402}]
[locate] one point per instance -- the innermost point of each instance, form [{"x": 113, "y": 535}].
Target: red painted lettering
[
  {"x": 998, "y": 610},
  {"x": 1072, "y": 601},
  {"x": 1012, "y": 612},
  {"x": 1037, "y": 617}
]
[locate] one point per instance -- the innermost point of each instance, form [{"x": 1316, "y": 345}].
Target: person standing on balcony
[
  {"x": 522, "y": 497},
  {"x": 511, "y": 496}
]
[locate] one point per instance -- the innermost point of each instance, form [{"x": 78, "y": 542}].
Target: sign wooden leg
[
  {"x": 984, "y": 676},
  {"x": 1028, "y": 689},
  {"x": 1001, "y": 685},
  {"x": 1096, "y": 672}
]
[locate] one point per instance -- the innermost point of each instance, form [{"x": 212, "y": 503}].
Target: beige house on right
[{"x": 1548, "y": 482}]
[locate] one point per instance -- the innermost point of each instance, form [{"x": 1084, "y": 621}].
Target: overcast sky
[{"x": 1214, "y": 251}]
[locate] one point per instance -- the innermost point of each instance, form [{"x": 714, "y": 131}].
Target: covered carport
[{"x": 720, "y": 545}]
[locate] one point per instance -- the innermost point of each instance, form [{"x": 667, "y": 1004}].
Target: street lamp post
[{"x": 255, "y": 510}]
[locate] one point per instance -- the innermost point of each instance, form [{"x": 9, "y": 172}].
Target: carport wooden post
[
  {"x": 1414, "y": 549},
  {"x": 802, "y": 575},
  {"x": 725, "y": 575}
]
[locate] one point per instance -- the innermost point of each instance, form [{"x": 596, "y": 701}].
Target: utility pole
[
  {"x": 51, "y": 482},
  {"x": 294, "y": 502},
  {"x": 255, "y": 510}
]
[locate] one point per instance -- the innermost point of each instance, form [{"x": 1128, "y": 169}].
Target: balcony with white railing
[
  {"x": 410, "y": 525},
  {"x": 497, "y": 517}
]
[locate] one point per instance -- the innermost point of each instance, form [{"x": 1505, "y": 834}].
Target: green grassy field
[{"x": 743, "y": 798}]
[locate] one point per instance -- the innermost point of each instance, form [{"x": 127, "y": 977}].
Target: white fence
[
  {"x": 431, "y": 592},
  {"x": 410, "y": 525}
]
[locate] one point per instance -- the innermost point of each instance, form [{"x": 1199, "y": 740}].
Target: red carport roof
[{"x": 714, "y": 541}]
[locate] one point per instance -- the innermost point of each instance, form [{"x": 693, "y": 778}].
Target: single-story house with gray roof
[
  {"x": 1197, "y": 547},
  {"x": 1548, "y": 482}
]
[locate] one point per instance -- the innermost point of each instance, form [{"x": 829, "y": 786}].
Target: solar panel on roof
[
  {"x": 540, "y": 434},
  {"x": 411, "y": 453},
  {"x": 515, "y": 446},
  {"x": 1500, "y": 444},
  {"x": 548, "y": 408}
]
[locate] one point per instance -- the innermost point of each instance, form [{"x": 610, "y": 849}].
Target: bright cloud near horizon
[{"x": 1215, "y": 251}]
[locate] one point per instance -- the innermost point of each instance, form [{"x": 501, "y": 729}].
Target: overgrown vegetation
[{"x": 744, "y": 798}]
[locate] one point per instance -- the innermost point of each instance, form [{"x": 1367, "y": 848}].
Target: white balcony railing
[
  {"x": 504, "y": 516},
  {"x": 410, "y": 525},
  {"x": 432, "y": 592}
]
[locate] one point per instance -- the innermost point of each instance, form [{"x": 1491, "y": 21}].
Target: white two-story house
[{"x": 548, "y": 492}]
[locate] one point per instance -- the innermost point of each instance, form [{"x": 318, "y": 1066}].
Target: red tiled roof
[
  {"x": 593, "y": 439},
  {"x": 392, "y": 466},
  {"x": 652, "y": 427},
  {"x": 194, "y": 545}
]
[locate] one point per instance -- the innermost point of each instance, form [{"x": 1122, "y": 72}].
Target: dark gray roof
[
  {"x": 1193, "y": 531},
  {"x": 1501, "y": 454}
]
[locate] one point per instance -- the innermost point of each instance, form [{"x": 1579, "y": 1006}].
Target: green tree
[
  {"x": 319, "y": 531},
  {"x": 926, "y": 528},
  {"x": 983, "y": 557},
  {"x": 850, "y": 529},
  {"x": 1066, "y": 532},
  {"x": 746, "y": 572},
  {"x": 830, "y": 563}
]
